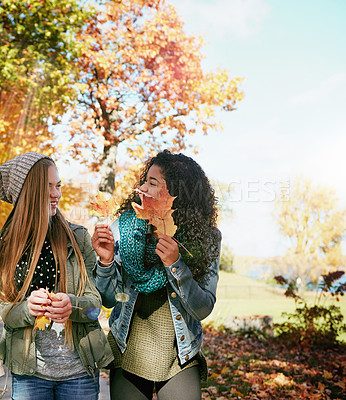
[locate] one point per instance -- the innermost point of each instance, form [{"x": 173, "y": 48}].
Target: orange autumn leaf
[
  {"x": 104, "y": 207},
  {"x": 158, "y": 212}
]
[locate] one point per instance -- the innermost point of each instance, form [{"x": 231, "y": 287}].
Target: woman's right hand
[
  {"x": 37, "y": 302},
  {"x": 103, "y": 243}
]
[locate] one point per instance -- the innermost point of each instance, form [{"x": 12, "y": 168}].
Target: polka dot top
[{"x": 45, "y": 271}]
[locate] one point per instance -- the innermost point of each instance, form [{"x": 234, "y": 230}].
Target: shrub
[{"x": 317, "y": 325}]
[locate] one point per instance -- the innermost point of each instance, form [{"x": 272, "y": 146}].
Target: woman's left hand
[
  {"x": 60, "y": 309},
  {"x": 167, "y": 249}
]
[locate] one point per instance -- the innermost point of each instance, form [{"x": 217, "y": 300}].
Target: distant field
[{"x": 239, "y": 295}]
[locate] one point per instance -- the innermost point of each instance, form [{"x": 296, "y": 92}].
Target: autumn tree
[
  {"x": 37, "y": 53},
  {"x": 314, "y": 224},
  {"x": 142, "y": 83}
]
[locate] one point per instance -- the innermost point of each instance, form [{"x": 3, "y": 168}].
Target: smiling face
[
  {"x": 54, "y": 189},
  {"x": 154, "y": 183}
]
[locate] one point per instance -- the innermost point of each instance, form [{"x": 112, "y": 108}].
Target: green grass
[{"x": 239, "y": 295}]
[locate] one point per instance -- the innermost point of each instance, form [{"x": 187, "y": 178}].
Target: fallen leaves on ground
[
  {"x": 253, "y": 369},
  {"x": 248, "y": 368}
]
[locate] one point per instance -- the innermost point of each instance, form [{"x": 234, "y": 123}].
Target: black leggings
[{"x": 185, "y": 385}]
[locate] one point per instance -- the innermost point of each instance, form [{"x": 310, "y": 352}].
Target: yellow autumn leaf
[
  {"x": 327, "y": 375},
  {"x": 40, "y": 323},
  {"x": 281, "y": 380},
  {"x": 225, "y": 370},
  {"x": 104, "y": 207}
]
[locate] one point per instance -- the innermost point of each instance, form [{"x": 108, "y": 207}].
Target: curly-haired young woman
[
  {"x": 159, "y": 292},
  {"x": 41, "y": 253}
]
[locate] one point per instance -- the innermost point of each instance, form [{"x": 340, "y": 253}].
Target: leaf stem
[{"x": 182, "y": 246}]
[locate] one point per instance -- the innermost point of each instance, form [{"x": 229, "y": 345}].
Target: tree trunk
[{"x": 107, "y": 169}]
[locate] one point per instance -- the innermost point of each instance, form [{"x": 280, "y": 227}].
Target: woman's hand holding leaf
[{"x": 103, "y": 243}]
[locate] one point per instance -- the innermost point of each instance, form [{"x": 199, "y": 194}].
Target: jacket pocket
[{"x": 94, "y": 346}]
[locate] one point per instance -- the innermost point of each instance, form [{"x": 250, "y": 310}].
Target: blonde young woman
[{"x": 41, "y": 253}]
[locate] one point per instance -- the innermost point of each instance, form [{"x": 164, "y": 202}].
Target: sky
[{"x": 292, "y": 120}]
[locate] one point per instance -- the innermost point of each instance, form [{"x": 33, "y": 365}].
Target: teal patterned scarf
[{"x": 137, "y": 253}]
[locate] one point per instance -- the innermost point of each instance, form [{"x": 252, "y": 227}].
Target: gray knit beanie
[{"x": 13, "y": 174}]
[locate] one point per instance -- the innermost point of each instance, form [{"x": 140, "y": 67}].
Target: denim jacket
[
  {"x": 89, "y": 340},
  {"x": 190, "y": 301}
]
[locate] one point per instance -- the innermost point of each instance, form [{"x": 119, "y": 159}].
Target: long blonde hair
[{"x": 26, "y": 228}]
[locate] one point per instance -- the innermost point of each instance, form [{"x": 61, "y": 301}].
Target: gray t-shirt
[{"x": 56, "y": 361}]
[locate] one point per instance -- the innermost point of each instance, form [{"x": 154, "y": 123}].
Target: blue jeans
[{"x": 25, "y": 387}]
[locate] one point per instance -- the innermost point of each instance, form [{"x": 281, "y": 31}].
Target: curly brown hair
[{"x": 195, "y": 208}]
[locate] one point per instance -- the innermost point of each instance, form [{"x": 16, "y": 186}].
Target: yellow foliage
[
  {"x": 126, "y": 177},
  {"x": 20, "y": 128},
  {"x": 314, "y": 224},
  {"x": 19, "y": 132},
  {"x": 5, "y": 209}
]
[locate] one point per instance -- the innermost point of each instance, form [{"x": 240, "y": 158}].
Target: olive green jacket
[{"x": 89, "y": 340}]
